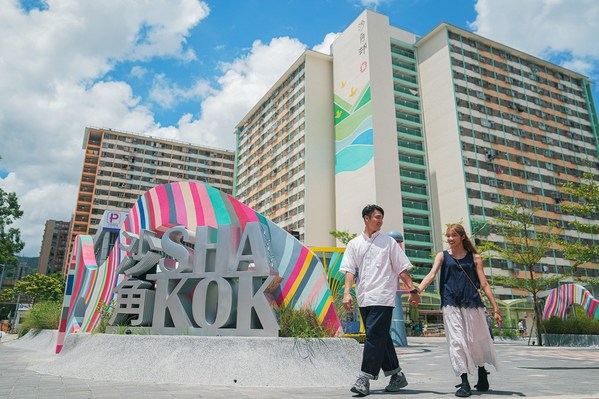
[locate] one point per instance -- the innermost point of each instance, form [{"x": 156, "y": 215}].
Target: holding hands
[
  {"x": 414, "y": 297},
  {"x": 348, "y": 302}
]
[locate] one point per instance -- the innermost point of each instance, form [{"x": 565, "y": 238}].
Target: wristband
[{"x": 415, "y": 291}]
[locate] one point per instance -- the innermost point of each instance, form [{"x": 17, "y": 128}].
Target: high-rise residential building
[
  {"x": 380, "y": 151},
  {"x": 436, "y": 129},
  {"x": 284, "y": 159},
  {"x": 504, "y": 125},
  {"x": 54, "y": 246},
  {"x": 118, "y": 167}
]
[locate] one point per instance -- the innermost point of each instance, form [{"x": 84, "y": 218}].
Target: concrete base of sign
[
  {"x": 569, "y": 340},
  {"x": 41, "y": 341},
  {"x": 230, "y": 361}
]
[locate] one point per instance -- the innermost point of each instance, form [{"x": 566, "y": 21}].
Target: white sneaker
[{"x": 361, "y": 386}]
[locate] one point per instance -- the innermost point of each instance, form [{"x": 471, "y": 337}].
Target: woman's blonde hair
[{"x": 459, "y": 229}]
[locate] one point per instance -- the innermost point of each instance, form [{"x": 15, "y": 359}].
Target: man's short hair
[{"x": 369, "y": 210}]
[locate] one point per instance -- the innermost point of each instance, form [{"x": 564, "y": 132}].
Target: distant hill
[{"x": 30, "y": 261}]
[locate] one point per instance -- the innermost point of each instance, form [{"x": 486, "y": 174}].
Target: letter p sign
[{"x": 113, "y": 218}]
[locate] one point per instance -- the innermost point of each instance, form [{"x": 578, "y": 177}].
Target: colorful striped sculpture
[
  {"x": 303, "y": 280},
  {"x": 560, "y": 299}
]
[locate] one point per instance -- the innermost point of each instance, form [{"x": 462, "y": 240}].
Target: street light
[
  {"x": 2, "y": 275},
  {"x": 16, "y": 319}
]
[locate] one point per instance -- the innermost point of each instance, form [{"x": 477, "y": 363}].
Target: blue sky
[
  {"x": 190, "y": 70},
  {"x": 232, "y": 27}
]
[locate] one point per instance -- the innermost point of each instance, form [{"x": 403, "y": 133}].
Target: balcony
[{"x": 401, "y": 130}]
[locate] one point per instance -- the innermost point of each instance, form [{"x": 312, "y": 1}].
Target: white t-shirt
[{"x": 378, "y": 261}]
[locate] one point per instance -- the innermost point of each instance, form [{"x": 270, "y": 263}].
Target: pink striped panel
[
  {"x": 209, "y": 216},
  {"x": 199, "y": 212}
]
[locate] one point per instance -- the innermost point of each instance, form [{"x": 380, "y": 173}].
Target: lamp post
[
  {"x": 16, "y": 319},
  {"x": 398, "y": 326},
  {"x": 2, "y": 275}
]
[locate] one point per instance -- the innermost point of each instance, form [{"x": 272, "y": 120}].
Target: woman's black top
[{"x": 456, "y": 288}]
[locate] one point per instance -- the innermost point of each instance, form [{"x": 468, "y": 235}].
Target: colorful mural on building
[
  {"x": 354, "y": 146},
  {"x": 302, "y": 279},
  {"x": 353, "y": 132},
  {"x": 560, "y": 299}
]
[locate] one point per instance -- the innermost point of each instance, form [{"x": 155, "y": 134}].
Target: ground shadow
[
  {"x": 498, "y": 393},
  {"x": 419, "y": 391},
  {"x": 402, "y": 392}
]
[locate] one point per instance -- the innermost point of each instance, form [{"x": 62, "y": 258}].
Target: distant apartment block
[
  {"x": 436, "y": 129},
  {"x": 54, "y": 246},
  {"x": 119, "y": 167}
]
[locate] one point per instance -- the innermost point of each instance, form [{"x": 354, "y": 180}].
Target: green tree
[
  {"x": 36, "y": 287},
  {"x": 10, "y": 237},
  {"x": 524, "y": 244},
  {"x": 343, "y": 236},
  {"x": 586, "y": 195}
]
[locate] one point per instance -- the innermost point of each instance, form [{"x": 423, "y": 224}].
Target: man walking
[{"x": 376, "y": 260}]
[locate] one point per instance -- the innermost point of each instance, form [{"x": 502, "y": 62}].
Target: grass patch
[{"x": 300, "y": 323}]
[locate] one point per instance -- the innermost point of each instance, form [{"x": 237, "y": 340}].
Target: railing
[
  {"x": 410, "y": 131},
  {"x": 412, "y": 174}
]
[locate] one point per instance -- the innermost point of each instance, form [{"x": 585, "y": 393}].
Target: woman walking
[{"x": 464, "y": 316}]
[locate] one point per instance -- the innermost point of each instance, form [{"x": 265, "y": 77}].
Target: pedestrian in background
[
  {"x": 521, "y": 328},
  {"x": 377, "y": 261},
  {"x": 464, "y": 315}
]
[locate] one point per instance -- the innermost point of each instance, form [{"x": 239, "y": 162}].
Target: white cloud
[
  {"x": 242, "y": 83},
  {"x": 168, "y": 95},
  {"x": 371, "y": 4},
  {"x": 57, "y": 77},
  {"x": 586, "y": 66},
  {"x": 54, "y": 85},
  {"x": 138, "y": 72},
  {"x": 563, "y": 31},
  {"x": 325, "y": 46}
]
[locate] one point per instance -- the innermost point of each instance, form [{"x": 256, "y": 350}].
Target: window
[{"x": 486, "y": 123}]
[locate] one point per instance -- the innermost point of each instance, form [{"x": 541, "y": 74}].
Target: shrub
[
  {"x": 301, "y": 323},
  {"x": 579, "y": 324},
  {"x": 506, "y": 332},
  {"x": 43, "y": 315},
  {"x": 105, "y": 314}
]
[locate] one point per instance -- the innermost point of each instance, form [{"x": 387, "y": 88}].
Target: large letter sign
[
  {"x": 193, "y": 260},
  {"x": 207, "y": 287}
]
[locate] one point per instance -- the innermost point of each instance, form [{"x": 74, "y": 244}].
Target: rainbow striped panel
[
  {"x": 191, "y": 204},
  {"x": 560, "y": 299}
]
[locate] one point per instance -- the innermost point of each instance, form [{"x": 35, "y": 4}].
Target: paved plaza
[{"x": 525, "y": 371}]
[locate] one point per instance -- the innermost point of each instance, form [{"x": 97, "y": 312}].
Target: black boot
[
  {"x": 483, "y": 383},
  {"x": 463, "y": 388}
]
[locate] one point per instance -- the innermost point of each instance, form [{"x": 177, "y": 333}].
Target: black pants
[{"x": 379, "y": 352}]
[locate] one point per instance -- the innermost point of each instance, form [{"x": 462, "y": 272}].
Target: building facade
[
  {"x": 284, "y": 158},
  {"x": 54, "y": 246},
  {"x": 119, "y": 167},
  {"x": 380, "y": 152},
  {"x": 436, "y": 129},
  {"x": 504, "y": 125}
]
